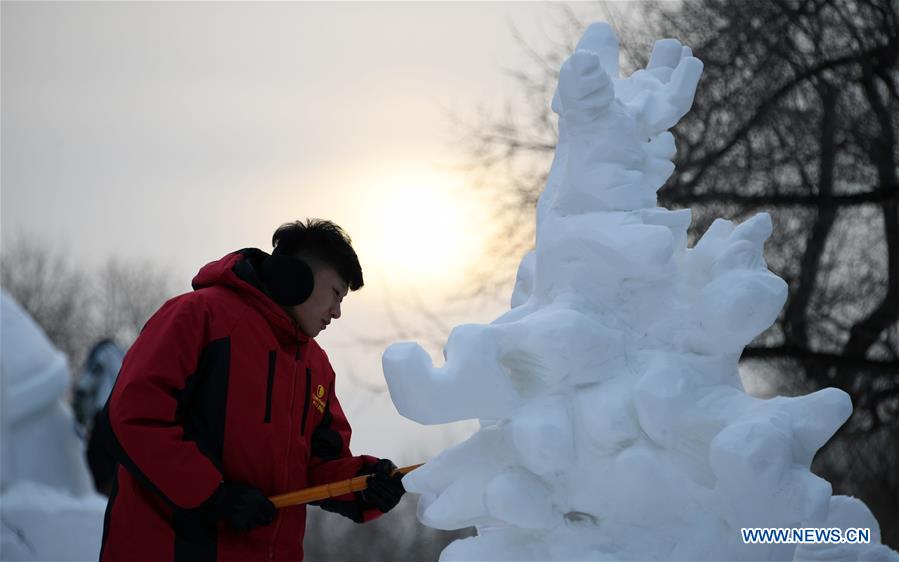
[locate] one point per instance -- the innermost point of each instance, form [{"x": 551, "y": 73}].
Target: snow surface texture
[
  {"x": 45, "y": 523},
  {"x": 614, "y": 424}
]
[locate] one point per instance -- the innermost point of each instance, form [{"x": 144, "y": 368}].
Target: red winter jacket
[{"x": 222, "y": 385}]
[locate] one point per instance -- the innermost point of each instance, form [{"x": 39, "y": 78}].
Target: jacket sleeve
[
  {"x": 142, "y": 414},
  {"x": 332, "y": 461}
]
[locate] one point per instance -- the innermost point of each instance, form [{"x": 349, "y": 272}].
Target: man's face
[{"x": 323, "y": 304}]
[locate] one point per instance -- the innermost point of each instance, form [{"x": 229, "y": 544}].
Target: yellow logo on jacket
[{"x": 317, "y": 399}]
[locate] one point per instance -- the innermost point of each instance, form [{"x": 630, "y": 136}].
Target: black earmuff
[{"x": 289, "y": 279}]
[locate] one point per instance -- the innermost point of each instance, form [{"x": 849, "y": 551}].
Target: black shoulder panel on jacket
[{"x": 202, "y": 402}]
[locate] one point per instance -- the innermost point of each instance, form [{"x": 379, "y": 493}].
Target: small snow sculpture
[{"x": 48, "y": 505}]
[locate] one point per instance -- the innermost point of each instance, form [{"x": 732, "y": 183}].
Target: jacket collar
[{"x": 240, "y": 271}]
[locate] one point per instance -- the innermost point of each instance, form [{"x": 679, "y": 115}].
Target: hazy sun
[{"x": 419, "y": 227}]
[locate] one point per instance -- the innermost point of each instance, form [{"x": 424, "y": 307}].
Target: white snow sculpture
[
  {"x": 48, "y": 505},
  {"x": 614, "y": 424},
  {"x": 39, "y": 441}
]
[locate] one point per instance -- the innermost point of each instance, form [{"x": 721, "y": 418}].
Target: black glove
[
  {"x": 384, "y": 491},
  {"x": 243, "y": 507}
]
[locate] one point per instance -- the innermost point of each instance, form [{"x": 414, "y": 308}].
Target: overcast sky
[{"x": 177, "y": 132}]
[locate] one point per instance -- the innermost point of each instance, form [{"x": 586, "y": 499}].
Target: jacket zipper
[
  {"x": 272, "y": 355},
  {"x": 293, "y": 388},
  {"x": 293, "y": 395}
]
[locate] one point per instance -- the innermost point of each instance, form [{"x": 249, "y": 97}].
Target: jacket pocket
[
  {"x": 306, "y": 401},
  {"x": 272, "y": 356}
]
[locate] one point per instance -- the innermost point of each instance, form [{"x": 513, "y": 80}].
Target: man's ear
[{"x": 290, "y": 280}]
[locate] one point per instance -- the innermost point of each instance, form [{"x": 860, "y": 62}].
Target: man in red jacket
[{"x": 226, "y": 399}]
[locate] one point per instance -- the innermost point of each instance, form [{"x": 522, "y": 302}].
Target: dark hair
[{"x": 320, "y": 242}]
